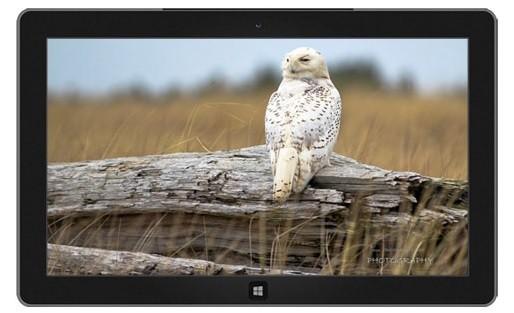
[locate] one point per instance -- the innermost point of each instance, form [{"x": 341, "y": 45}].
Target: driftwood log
[
  {"x": 218, "y": 207},
  {"x": 71, "y": 260}
]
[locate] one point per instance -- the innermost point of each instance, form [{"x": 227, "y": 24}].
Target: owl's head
[{"x": 304, "y": 63}]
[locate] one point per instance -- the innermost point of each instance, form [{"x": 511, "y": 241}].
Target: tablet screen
[{"x": 257, "y": 156}]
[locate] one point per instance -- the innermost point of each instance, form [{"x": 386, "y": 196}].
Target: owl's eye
[
  {"x": 305, "y": 60},
  {"x": 287, "y": 60}
]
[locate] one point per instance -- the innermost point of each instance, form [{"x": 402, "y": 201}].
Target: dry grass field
[{"x": 425, "y": 134}]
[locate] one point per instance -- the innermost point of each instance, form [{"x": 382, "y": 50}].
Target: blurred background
[{"x": 404, "y": 100}]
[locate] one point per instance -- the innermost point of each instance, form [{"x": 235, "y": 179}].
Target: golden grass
[{"x": 394, "y": 131}]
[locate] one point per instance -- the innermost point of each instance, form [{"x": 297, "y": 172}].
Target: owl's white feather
[{"x": 302, "y": 122}]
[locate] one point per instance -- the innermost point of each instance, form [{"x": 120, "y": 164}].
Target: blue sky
[{"x": 101, "y": 65}]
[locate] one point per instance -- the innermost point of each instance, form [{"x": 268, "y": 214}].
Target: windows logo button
[{"x": 258, "y": 290}]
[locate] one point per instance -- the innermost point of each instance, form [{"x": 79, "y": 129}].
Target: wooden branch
[
  {"x": 70, "y": 260},
  {"x": 218, "y": 206}
]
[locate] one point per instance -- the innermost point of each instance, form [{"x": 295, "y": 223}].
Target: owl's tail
[{"x": 285, "y": 169}]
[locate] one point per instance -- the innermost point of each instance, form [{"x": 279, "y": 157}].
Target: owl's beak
[{"x": 292, "y": 68}]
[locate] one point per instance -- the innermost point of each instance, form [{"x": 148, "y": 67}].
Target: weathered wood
[
  {"x": 235, "y": 183},
  {"x": 70, "y": 260},
  {"x": 218, "y": 206}
]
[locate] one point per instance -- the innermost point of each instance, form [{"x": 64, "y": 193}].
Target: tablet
[{"x": 257, "y": 157}]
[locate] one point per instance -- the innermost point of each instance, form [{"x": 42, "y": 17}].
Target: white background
[{"x": 9, "y": 12}]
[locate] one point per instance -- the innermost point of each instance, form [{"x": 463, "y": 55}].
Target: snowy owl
[{"x": 302, "y": 122}]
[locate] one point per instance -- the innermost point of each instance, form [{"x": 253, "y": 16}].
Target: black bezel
[{"x": 35, "y": 26}]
